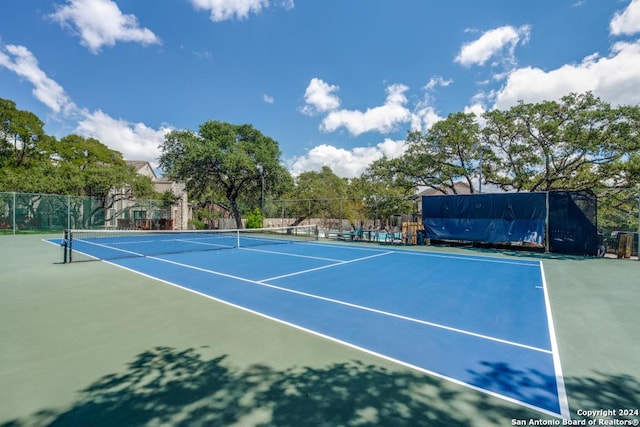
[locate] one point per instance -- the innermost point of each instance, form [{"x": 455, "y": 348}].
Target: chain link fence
[
  {"x": 329, "y": 214},
  {"x": 33, "y": 213},
  {"x": 618, "y": 220},
  {"x": 617, "y": 215}
]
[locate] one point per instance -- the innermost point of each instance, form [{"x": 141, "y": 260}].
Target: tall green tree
[
  {"x": 317, "y": 194},
  {"x": 222, "y": 163},
  {"x": 445, "y": 154},
  {"x": 92, "y": 169},
  {"x": 579, "y": 142},
  {"x": 86, "y": 167},
  {"x": 384, "y": 191},
  {"x": 34, "y": 162},
  {"x": 21, "y": 134}
]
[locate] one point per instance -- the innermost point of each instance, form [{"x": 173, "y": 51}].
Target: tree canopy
[
  {"x": 443, "y": 155},
  {"x": 21, "y": 134},
  {"x": 580, "y": 142},
  {"x": 316, "y": 194},
  {"x": 34, "y": 162},
  {"x": 223, "y": 164}
]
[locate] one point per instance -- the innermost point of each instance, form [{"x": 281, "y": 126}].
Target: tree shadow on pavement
[{"x": 166, "y": 386}]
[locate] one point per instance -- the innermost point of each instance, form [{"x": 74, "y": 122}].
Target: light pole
[
  {"x": 480, "y": 176},
  {"x": 261, "y": 170}
]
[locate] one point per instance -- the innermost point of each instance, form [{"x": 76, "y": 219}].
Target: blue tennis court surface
[{"x": 478, "y": 321}]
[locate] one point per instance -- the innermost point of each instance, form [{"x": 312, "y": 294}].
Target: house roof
[
  {"x": 142, "y": 164},
  {"x": 460, "y": 188}
]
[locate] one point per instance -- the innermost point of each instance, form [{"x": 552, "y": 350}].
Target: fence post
[
  {"x": 547, "y": 238},
  {"x": 13, "y": 221},
  {"x": 68, "y": 212},
  {"x": 638, "y": 225}
]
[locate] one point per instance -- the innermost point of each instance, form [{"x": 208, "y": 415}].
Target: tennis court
[
  {"x": 336, "y": 334},
  {"x": 463, "y": 318}
]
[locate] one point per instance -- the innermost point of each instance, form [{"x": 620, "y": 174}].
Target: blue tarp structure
[{"x": 515, "y": 219}]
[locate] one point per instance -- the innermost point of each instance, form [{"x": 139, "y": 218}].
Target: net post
[
  {"x": 65, "y": 246},
  {"x": 70, "y": 246}
]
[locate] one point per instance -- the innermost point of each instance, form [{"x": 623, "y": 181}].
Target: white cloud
[
  {"x": 384, "y": 118},
  {"x": 614, "y": 79},
  {"x": 628, "y": 21},
  {"x": 493, "y": 43},
  {"x": 345, "y": 163},
  {"x": 136, "y": 141},
  {"x": 21, "y": 61},
  {"x": 223, "y": 10},
  {"x": 268, "y": 99},
  {"x": 100, "y": 22},
  {"x": 479, "y": 105},
  {"x": 320, "y": 97},
  {"x": 437, "y": 81},
  {"x": 424, "y": 117}
]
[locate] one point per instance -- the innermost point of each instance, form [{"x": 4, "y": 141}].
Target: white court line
[
  {"x": 324, "y": 266},
  {"x": 290, "y": 254},
  {"x": 216, "y": 245},
  {"x": 562, "y": 392},
  {"x": 413, "y": 252},
  {"x": 111, "y": 248},
  {"x": 118, "y": 249},
  {"x": 472, "y": 258},
  {"x": 360, "y": 307},
  {"x": 172, "y": 239}
]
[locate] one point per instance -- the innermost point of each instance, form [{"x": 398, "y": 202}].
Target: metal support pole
[
  {"x": 14, "y": 212},
  {"x": 261, "y": 169},
  {"x": 638, "y": 225},
  {"x": 547, "y": 238},
  {"x": 480, "y": 177}
]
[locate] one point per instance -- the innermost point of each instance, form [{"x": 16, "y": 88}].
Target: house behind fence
[{"x": 28, "y": 212}]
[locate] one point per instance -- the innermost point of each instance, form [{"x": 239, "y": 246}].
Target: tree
[
  {"x": 96, "y": 170},
  {"x": 23, "y": 160},
  {"x": 317, "y": 194},
  {"x": 384, "y": 191},
  {"x": 21, "y": 132},
  {"x": 578, "y": 143},
  {"x": 221, "y": 163},
  {"x": 445, "y": 154},
  {"x": 34, "y": 162},
  {"x": 86, "y": 167}
]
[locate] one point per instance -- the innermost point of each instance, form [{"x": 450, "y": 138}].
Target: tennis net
[{"x": 88, "y": 245}]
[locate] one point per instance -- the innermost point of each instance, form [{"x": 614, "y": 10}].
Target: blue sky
[{"x": 335, "y": 82}]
